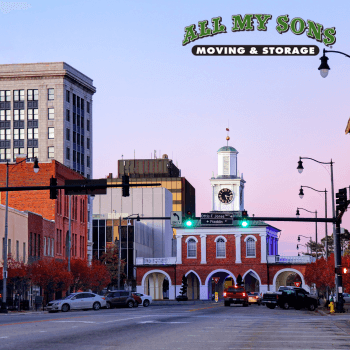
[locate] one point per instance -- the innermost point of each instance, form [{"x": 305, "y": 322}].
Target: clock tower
[{"x": 228, "y": 186}]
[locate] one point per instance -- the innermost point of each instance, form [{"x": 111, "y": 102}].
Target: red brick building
[{"x": 47, "y": 237}]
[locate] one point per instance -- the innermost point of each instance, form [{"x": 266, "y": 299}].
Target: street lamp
[
  {"x": 306, "y": 237},
  {"x": 4, "y": 281},
  {"x": 301, "y": 195},
  {"x": 312, "y": 212},
  {"x": 324, "y": 67}
]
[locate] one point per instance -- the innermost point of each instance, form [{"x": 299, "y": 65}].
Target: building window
[
  {"x": 32, "y": 152},
  {"x": 51, "y": 152},
  {"x": 74, "y": 99},
  {"x": 220, "y": 248},
  {"x": 88, "y": 107},
  {"x": 191, "y": 248},
  {"x": 250, "y": 247},
  {"x": 18, "y": 114},
  {"x": 18, "y": 95},
  {"x": 2, "y": 134},
  {"x": 18, "y": 134},
  {"x": 78, "y": 101},
  {"x": 74, "y": 156},
  {"x": 51, "y": 133},
  {"x": 67, "y": 115},
  {"x": 88, "y": 143},
  {"x": 67, "y": 95},
  {"x": 74, "y": 137},
  {"x": 48, "y": 246},
  {"x": 78, "y": 120},
  {"x": 8, "y": 134},
  {"x": 88, "y": 125},
  {"x": 74, "y": 119},
  {"x": 32, "y": 114},
  {"x": 82, "y": 104},
  {"x": 17, "y": 250},
  {"x": 67, "y": 134},
  {"x": 24, "y": 252},
  {"x": 9, "y": 251},
  {"x": 81, "y": 140},
  {"x": 51, "y": 94},
  {"x": 5, "y": 95},
  {"x": 5, "y": 114},
  {"x": 32, "y": 95},
  {"x": 51, "y": 113},
  {"x": 88, "y": 161},
  {"x": 68, "y": 153},
  {"x": 78, "y": 157},
  {"x": 44, "y": 246},
  {"x": 52, "y": 247},
  {"x": 17, "y": 151},
  {"x": 82, "y": 122},
  {"x": 33, "y": 133},
  {"x": 8, "y": 153}
]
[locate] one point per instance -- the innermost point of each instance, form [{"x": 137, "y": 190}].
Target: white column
[
  {"x": 238, "y": 248},
  {"x": 203, "y": 249},
  {"x": 156, "y": 286},
  {"x": 213, "y": 197},
  {"x": 203, "y": 290},
  {"x": 171, "y": 292},
  {"x": 263, "y": 247},
  {"x": 179, "y": 250}
]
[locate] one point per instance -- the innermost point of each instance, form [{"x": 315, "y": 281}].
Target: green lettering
[
  {"x": 329, "y": 33},
  {"x": 190, "y": 35},
  {"x": 218, "y": 27},
  {"x": 283, "y": 25},
  {"x": 204, "y": 30},
  {"x": 262, "y": 21},
  {"x": 315, "y": 33},
  {"x": 294, "y": 25},
  {"x": 240, "y": 24}
]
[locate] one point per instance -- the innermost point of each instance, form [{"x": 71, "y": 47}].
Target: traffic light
[
  {"x": 189, "y": 222},
  {"x": 342, "y": 199},
  {"x": 126, "y": 189},
  {"x": 53, "y": 190},
  {"x": 244, "y": 222}
]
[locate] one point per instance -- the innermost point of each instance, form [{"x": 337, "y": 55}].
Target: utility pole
[{"x": 120, "y": 249}]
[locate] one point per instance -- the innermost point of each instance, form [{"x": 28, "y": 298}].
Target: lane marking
[
  {"x": 161, "y": 322},
  {"x": 75, "y": 321}
]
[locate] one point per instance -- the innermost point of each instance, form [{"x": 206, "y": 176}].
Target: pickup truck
[
  {"x": 235, "y": 295},
  {"x": 290, "y": 296}
]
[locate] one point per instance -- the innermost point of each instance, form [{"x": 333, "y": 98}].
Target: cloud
[{"x": 6, "y": 6}]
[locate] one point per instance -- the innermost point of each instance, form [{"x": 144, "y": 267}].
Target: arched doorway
[
  {"x": 193, "y": 288},
  {"x": 157, "y": 284},
  {"x": 287, "y": 277},
  {"x": 251, "y": 281},
  {"x": 225, "y": 279}
]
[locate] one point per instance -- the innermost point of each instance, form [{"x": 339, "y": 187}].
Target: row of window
[
  {"x": 78, "y": 157},
  {"x": 31, "y": 152},
  {"x": 18, "y": 95},
  {"x": 49, "y": 246},
  {"x": 18, "y": 134},
  {"x": 220, "y": 248},
  {"x": 32, "y": 114},
  {"x": 78, "y": 120},
  {"x": 9, "y": 250},
  {"x": 78, "y": 101}
]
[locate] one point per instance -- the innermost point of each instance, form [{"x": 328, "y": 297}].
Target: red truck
[{"x": 235, "y": 295}]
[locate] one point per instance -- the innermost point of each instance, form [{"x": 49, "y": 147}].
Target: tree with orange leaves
[
  {"x": 100, "y": 276},
  {"x": 81, "y": 274}
]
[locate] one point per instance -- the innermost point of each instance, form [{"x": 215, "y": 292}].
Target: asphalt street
[{"x": 201, "y": 326}]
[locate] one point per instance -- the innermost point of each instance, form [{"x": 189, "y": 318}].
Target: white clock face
[{"x": 225, "y": 196}]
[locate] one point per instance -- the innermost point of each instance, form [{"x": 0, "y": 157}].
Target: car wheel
[
  {"x": 136, "y": 304},
  {"x": 285, "y": 306},
  {"x": 65, "y": 307},
  {"x": 227, "y": 303},
  {"x": 312, "y": 307},
  {"x": 146, "y": 303},
  {"x": 96, "y": 306},
  {"x": 108, "y": 305},
  {"x": 130, "y": 304}
]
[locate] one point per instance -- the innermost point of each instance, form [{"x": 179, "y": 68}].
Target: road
[{"x": 201, "y": 326}]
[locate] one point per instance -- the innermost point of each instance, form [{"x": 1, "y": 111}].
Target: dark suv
[{"x": 119, "y": 298}]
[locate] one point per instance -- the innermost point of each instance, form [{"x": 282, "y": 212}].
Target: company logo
[{"x": 297, "y": 26}]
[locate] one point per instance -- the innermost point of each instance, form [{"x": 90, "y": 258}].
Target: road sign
[
  {"x": 216, "y": 216},
  {"x": 90, "y": 186},
  {"x": 175, "y": 218},
  {"x": 212, "y": 219},
  {"x": 216, "y": 279},
  {"x": 297, "y": 284}
]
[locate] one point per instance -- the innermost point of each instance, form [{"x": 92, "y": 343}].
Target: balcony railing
[
  {"x": 278, "y": 259},
  {"x": 156, "y": 261}
]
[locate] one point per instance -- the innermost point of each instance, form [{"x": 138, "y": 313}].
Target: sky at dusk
[{"x": 154, "y": 94}]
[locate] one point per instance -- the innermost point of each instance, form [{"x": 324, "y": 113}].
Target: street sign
[
  {"x": 90, "y": 186},
  {"x": 175, "y": 218},
  {"x": 297, "y": 284},
  {"x": 212, "y": 219},
  {"x": 216, "y": 279}
]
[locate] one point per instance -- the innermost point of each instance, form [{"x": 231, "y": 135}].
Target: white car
[
  {"x": 146, "y": 299},
  {"x": 75, "y": 301}
]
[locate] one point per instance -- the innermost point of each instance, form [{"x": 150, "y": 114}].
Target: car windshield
[{"x": 70, "y": 296}]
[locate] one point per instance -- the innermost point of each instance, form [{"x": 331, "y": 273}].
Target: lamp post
[
  {"x": 324, "y": 68},
  {"x": 4, "y": 281},
  {"x": 336, "y": 236},
  {"x": 301, "y": 195},
  {"x": 312, "y": 212}
]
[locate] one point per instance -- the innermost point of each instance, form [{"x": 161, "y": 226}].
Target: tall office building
[{"x": 46, "y": 112}]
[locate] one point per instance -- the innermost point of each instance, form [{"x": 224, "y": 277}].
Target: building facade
[{"x": 46, "y": 112}]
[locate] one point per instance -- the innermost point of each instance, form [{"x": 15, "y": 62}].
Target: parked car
[
  {"x": 119, "y": 298},
  {"x": 254, "y": 298},
  {"x": 75, "y": 301},
  {"x": 295, "y": 297},
  {"x": 146, "y": 299},
  {"x": 235, "y": 295}
]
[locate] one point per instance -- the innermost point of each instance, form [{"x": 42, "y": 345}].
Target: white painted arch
[
  {"x": 255, "y": 274},
  {"x": 195, "y": 273},
  {"x": 219, "y": 270},
  {"x": 155, "y": 271},
  {"x": 304, "y": 285},
  {"x": 218, "y": 237},
  {"x": 191, "y": 237},
  {"x": 250, "y": 236}
]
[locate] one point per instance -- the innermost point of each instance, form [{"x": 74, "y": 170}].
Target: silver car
[{"x": 75, "y": 301}]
